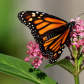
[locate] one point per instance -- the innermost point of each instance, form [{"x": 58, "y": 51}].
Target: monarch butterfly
[{"x": 50, "y": 32}]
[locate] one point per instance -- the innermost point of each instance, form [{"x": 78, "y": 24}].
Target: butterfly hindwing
[
  {"x": 54, "y": 46},
  {"x": 50, "y": 32}
]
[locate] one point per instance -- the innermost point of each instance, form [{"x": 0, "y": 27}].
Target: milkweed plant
[
  {"x": 75, "y": 46},
  {"x": 28, "y": 69}
]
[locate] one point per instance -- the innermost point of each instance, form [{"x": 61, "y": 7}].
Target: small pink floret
[{"x": 26, "y": 59}]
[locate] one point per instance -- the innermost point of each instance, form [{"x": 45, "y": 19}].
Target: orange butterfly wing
[{"x": 50, "y": 32}]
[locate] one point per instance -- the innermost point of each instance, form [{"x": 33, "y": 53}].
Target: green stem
[
  {"x": 76, "y": 78},
  {"x": 76, "y": 64}
]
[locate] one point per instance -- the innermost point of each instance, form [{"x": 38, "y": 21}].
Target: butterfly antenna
[{"x": 79, "y": 15}]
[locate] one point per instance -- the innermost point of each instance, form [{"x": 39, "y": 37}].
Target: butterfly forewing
[
  {"x": 50, "y": 32},
  {"x": 41, "y": 23}
]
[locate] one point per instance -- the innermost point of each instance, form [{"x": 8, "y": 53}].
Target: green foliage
[
  {"x": 19, "y": 68},
  {"x": 64, "y": 63},
  {"x": 80, "y": 60}
]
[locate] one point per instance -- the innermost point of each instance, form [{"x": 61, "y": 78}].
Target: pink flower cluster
[
  {"x": 78, "y": 33},
  {"x": 76, "y": 38},
  {"x": 35, "y": 53}
]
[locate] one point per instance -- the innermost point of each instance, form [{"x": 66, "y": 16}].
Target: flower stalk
[
  {"x": 76, "y": 47},
  {"x": 76, "y": 78}
]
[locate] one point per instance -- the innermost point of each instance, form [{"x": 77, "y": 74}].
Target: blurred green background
[
  {"x": 14, "y": 36},
  {"x": 13, "y": 40}
]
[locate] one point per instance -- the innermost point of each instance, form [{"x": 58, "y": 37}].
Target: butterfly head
[{"x": 73, "y": 23}]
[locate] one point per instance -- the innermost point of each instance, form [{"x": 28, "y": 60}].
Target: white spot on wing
[
  {"x": 21, "y": 15},
  {"x": 37, "y": 12}
]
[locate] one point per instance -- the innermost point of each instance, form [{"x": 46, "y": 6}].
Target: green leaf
[
  {"x": 64, "y": 63},
  {"x": 80, "y": 60},
  {"x": 19, "y": 68}
]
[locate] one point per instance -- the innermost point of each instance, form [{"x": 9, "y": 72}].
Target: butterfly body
[{"x": 50, "y": 32}]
